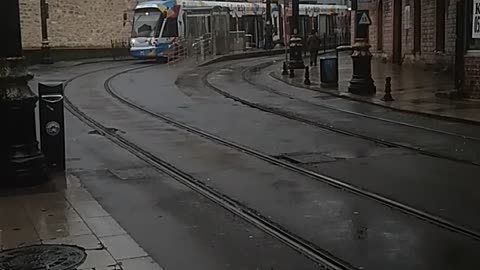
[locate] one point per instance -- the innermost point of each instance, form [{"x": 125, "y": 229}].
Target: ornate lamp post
[
  {"x": 296, "y": 44},
  {"x": 361, "y": 82},
  {"x": 21, "y": 162},
  {"x": 46, "y": 56}
]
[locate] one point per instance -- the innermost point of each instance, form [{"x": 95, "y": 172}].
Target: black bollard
[
  {"x": 285, "y": 70},
  {"x": 307, "y": 76},
  {"x": 388, "y": 90},
  {"x": 292, "y": 72}
]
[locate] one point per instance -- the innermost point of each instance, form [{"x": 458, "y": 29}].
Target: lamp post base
[
  {"x": 296, "y": 48},
  {"x": 362, "y": 82},
  {"x": 21, "y": 162},
  {"x": 46, "y": 56}
]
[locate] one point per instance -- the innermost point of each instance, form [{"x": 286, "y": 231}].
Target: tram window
[
  {"x": 171, "y": 28},
  {"x": 146, "y": 23}
]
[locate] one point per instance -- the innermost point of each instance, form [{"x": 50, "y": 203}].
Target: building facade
[{"x": 434, "y": 33}]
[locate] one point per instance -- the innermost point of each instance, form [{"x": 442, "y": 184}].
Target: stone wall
[{"x": 79, "y": 24}]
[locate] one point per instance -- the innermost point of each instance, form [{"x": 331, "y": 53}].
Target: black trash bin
[
  {"x": 52, "y": 126},
  {"x": 329, "y": 71}
]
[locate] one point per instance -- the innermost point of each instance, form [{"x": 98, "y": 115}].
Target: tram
[{"x": 159, "y": 25}]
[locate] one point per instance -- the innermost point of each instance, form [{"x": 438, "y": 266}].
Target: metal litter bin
[
  {"x": 52, "y": 131},
  {"x": 329, "y": 71}
]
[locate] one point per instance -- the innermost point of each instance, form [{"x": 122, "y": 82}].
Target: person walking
[{"x": 313, "y": 45}]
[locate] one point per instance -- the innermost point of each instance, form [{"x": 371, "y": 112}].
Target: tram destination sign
[{"x": 476, "y": 19}]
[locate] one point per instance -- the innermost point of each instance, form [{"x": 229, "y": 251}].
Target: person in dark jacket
[{"x": 313, "y": 45}]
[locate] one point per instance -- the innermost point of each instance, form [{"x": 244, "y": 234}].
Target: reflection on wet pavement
[
  {"x": 414, "y": 89},
  {"x": 63, "y": 212}
]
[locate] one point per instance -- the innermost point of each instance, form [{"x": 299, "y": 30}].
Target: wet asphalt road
[{"x": 365, "y": 233}]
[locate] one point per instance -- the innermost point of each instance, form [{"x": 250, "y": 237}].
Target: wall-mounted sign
[{"x": 476, "y": 19}]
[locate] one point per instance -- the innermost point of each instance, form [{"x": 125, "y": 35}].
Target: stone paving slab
[
  {"x": 414, "y": 89},
  {"x": 71, "y": 216}
]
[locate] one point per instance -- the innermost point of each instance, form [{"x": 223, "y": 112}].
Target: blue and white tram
[
  {"x": 155, "y": 28},
  {"x": 158, "y": 25}
]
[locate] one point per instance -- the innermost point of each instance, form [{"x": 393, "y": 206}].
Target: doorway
[
  {"x": 397, "y": 31},
  {"x": 460, "y": 44},
  {"x": 440, "y": 22},
  {"x": 380, "y": 26},
  {"x": 417, "y": 26}
]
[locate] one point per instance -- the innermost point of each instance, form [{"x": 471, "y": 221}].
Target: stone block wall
[{"x": 77, "y": 24}]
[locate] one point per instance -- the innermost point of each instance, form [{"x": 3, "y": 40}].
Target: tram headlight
[{"x": 132, "y": 42}]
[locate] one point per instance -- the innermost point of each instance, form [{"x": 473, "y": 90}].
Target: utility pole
[
  {"x": 46, "y": 56},
  {"x": 21, "y": 162}
]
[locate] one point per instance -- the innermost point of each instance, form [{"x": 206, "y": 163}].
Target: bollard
[
  {"x": 52, "y": 126},
  {"x": 388, "y": 90},
  {"x": 307, "y": 76},
  {"x": 285, "y": 70},
  {"x": 292, "y": 72}
]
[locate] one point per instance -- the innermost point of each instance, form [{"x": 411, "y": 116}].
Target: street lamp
[
  {"x": 296, "y": 44},
  {"x": 46, "y": 56},
  {"x": 21, "y": 162},
  {"x": 361, "y": 82}
]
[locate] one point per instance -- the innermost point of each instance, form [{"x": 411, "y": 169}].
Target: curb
[
  {"x": 430, "y": 115},
  {"x": 239, "y": 56},
  {"x": 87, "y": 62}
]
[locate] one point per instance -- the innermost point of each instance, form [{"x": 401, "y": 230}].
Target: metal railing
[
  {"x": 177, "y": 52},
  {"x": 202, "y": 48}
]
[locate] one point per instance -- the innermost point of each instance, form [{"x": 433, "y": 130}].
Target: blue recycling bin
[{"x": 329, "y": 71}]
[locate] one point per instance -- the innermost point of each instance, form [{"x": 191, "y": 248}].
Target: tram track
[
  {"x": 274, "y": 91},
  {"x": 293, "y": 116},
  {"x": 406, "y": 209},
  {"x": 324, "y": 259}
]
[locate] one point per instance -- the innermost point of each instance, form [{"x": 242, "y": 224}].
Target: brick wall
[
  {"x": 472, "y": 76},
  {"x": 428, "y": 54},
  {"x": 30, "y": 21},
  {"x": 85, "y": 23}
]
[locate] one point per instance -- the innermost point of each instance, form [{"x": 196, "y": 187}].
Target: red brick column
[{"x": 472, "y": 75}]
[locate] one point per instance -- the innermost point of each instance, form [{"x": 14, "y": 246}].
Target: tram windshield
[{"x": 146, "y": 23}]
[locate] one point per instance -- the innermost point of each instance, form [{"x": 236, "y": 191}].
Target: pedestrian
[{"x": 313, "y": 45}]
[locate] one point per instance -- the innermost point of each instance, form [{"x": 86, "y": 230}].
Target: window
[
  {"x": 146, "y": 22},
  {"x": 171, "y": 28},
  {"x": 380, "y": 26}
]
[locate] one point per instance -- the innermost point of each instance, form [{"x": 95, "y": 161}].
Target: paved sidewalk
[
  {"x": 414, "y": 89},
  {"x": 63, "y": 212}
]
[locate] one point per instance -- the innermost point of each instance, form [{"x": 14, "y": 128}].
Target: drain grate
[{"x": 43, "y": 257}]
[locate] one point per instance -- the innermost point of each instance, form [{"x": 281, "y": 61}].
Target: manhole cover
[{"x": 42, "y": 257}]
